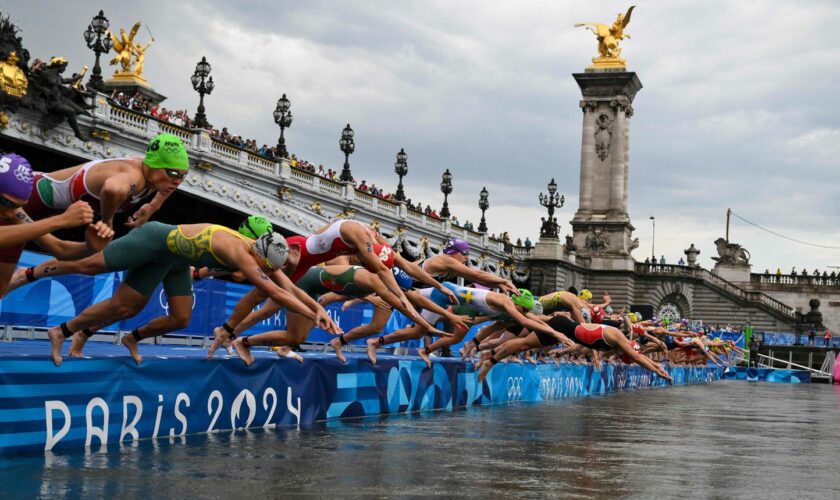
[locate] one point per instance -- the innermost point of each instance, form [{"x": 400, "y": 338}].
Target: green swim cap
[
  {"x": 256, "y": 226},
  {"x": 166, "y": 151},
  {"x": 524, "y": 299}
]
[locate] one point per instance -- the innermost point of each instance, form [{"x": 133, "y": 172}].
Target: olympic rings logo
[{"x": 514, "y": 385}]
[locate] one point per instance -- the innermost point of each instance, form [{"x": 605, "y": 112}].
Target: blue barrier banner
[
  {"x": 110, "y": 399},
  {"x": 49, "y": 302},
  {"x": 776, "y": 375}
]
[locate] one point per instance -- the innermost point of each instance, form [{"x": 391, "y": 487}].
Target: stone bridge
[{"x": 237, "y": 180}]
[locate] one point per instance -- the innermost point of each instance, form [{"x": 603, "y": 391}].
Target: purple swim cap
[
  {"x": 456, "y": 245},
  {"x": 15, "y": 176}
]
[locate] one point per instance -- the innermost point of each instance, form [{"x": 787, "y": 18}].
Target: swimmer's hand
[
  {"x": 509, "y": 287},
  {"x": 377, "y": 302},
  {"x": 77, "y": 214},
  {"x": 141, "y": 216},
  {"x": 564, "y": 339},
  {"x": 324, "y": 322},
  {"x": 439, "y": 333},
  {"x": 453, "y": 299},
  {"x": 98, "y": 235},
  {"x": 461, "y": 322}
]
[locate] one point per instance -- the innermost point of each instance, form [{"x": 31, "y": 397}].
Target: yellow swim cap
[{"x": 584, "y": 294}]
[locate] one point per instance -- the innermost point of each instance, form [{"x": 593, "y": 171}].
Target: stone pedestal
[
  {"x": 130, "y": 85},
  {"x": 735, "y": 273},
  {"x": 548, "y": 249},
  {"x": 602, "y": 228}
]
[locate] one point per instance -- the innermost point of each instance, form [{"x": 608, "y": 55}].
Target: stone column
[
  {"x": 587, "y": 157},
  {"x": 618, "y": 162},
  {"x": 602, "y": 231}
]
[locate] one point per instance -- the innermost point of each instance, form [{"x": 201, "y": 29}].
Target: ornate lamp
[
  {"x": 483, "y": 204},
  {"x": 203, "y": 86},
  {"x": 446, "y": 189},
  {"x": 347, "y": 147},
  {"x": 283, "y": 117},
  {"x": 99, "y": 45},
  {"x": 401, "y": 168},
  {"x": 550, "y": 228}
]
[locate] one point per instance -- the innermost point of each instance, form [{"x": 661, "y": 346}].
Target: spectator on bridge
[
  {"x": 647, "y": 260},
  {"x": 363, "y": 187},
  {"x": 662, "y": 260},
  {"x": 811, "y": 334},
  {"x": 528, "y": 243},
  {"x": 827, "y": 337},
  {"x": 778, "y": 272},
  {"x": 793, "y": 272},
  {"x": 681, "y": 262}
]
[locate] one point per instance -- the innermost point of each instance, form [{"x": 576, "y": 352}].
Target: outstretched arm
[{"x": 482, "y": 277}]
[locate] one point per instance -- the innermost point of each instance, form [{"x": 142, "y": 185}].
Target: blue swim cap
[{"x": 403, "y": 279}]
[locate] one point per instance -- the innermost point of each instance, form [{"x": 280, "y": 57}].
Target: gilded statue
[
  {"x": 130, "y": 54},
  {"x": 608, "y": 39},
  {"x": 13, "y": 80}
]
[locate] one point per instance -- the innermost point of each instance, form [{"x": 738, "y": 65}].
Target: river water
[{"x": 726, "y": 439}]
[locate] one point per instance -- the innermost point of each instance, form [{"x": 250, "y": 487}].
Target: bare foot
[
  {"x": 244, "y": 351},
  {"x": 425, "y": 357},
  {"x": 482, "y": 372},
  {"x": 371, "y": 350},
  {"x": 516, "y": 359},
  {"x": 285, "y": 351},
  {"x": 336, "y": 345},
  {"x": 56, "y": 341},
  {"x": 228, "y": 345},
  {"x": 530, "y": 359},
  {"x": 220, "y": 336},
  {"x": 131, "y": 344},
  {"x": 77, "y": 343}
]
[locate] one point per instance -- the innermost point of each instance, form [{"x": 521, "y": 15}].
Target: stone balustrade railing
[
  {"x": 296, "y": 199},
  {"x": 716, "y": 281},
  {"x": 795, "y": 280}
]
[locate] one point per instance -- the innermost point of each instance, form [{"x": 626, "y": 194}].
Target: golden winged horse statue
[
  {"x": 608, "y": 39},
  {"x": 124, "y": 48}
]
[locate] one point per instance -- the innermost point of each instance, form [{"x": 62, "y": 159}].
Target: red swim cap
[
  {"x": 385, "y": 254},
  {"x": 597, "y": 314},
  {"x": 636, "y": 347}
]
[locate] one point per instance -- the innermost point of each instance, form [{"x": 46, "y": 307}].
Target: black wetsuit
[{"x": 594, "y": 339}]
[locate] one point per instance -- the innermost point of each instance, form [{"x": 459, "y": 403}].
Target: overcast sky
[{"x": 737, "y": 109}]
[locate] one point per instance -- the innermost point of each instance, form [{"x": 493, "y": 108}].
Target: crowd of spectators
[
  {"x": 804, "y": 273},
  {"x": 181, "y": 118},
  {"x": 139, "y": 103}
]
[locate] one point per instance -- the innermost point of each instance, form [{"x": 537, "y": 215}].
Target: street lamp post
[
  {"x": 483, "y": 204},
  {"x": 446, "y": 189},
  {"x": 347, "y": 147},
  {"x": 550, "y": 228},
  {"x": 401, "y": 168},
  {"x": 94, "y": 38},
  {"x": 283, "y": 117},
  {"x": 653, "y": 242},
  {"x": 203, "y": 86}
]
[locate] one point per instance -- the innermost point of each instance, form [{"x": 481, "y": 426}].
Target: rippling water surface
[{"x": 725, "y": 439}]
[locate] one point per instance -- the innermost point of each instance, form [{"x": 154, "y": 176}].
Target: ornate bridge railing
[
  {"x": 794, "y": 280},
  {"x": 721, "y": 284},
  {"x": 296, "y": 200}
]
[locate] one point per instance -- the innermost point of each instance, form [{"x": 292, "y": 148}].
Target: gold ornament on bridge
[
  {"x": 12, "y": 79},
  {"x": 608, "y": 39},
  {"x": 130, "y": 55}
]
